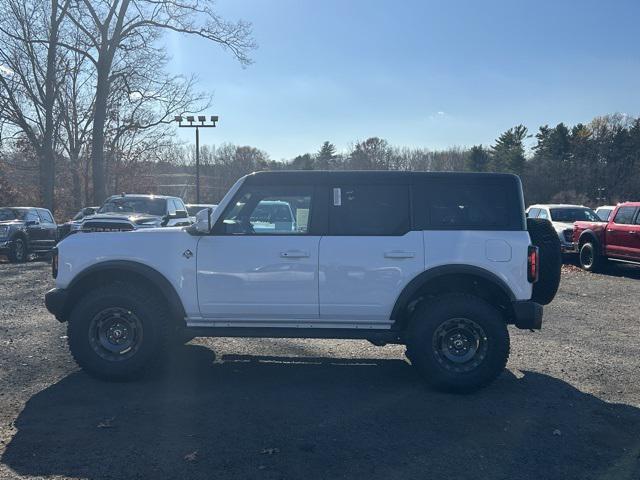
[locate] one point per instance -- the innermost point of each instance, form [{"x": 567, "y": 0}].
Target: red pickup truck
[{"x": 618, "y": 239}]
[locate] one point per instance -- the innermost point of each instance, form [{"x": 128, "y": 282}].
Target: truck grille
[
  {"x": 568, "y": 234},
  {"x": 97, "y": 226}
]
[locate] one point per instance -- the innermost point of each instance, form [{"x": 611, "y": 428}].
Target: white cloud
[{"x": 441, "y": 113}]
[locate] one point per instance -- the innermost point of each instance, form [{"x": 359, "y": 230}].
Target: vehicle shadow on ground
[
  {"x": 283, "y": 417},
  {"x": 612, "y": 269}
]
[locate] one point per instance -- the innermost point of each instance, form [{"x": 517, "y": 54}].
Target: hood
[
  {"x": 16, "y": 223},
  {"x": 562, "y": 225},
  {"x": 131, "y": 217}
]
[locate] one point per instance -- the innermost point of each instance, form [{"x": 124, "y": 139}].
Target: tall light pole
[{"x": 193, "y": 123}]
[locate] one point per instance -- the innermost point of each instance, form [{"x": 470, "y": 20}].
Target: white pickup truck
[{"x": 439, "y": 262}]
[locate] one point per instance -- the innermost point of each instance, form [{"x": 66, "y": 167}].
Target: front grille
[
  {"x": 97, "y": 226},
  {"x": 568, "y": 234}
]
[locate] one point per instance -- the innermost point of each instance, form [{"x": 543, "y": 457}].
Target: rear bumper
[
  {"x": 527, "y": 315},
  {"x": 55, "y": 300}
]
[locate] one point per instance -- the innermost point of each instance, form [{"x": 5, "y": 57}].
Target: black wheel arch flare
[
  {"x": 125, "y": 268},
  {"x": 413, "y": 287}
]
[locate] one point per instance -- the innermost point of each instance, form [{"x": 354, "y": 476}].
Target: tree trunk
[
  {"x": 46, "y": 154},
  {"x": 97, "y": 142},
  {"x": 76, "y": 182}
]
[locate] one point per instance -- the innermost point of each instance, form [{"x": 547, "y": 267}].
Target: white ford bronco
[{"x": 439, "y": 262}]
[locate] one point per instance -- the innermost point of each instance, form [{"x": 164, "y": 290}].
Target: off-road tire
[
  {"x": 422, "y": 336},
  {"x": 546, "y": 239},
  {"x": 155, "y": 328},
  {"x": 17, "y": 254},
  {"x": 590, "y": 259}
]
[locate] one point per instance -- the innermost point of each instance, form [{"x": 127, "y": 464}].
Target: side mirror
[
  {"x": 203, "y": 220},
  {"x": 181, "y": 214},
  {"x": 31, "y": 223},
  {"x": 87, "y": 211}
]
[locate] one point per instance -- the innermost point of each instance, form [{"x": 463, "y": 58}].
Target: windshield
[
  {"x": 604, "y": 213},
  {"x": 12, "y": 214},
  {"x": 150, "y": 206},
  {"x": 573, "y": 215},
  {"x": 271, "y": 213}
]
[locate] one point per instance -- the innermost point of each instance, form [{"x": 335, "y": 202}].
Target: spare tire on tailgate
[{"x": 546, "y": 239}]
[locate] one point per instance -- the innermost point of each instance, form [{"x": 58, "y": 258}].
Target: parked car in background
[
  {"x": 605, "y": 211},
  {"x": 618, "y": 239},
  {"x": 194, "y": 208},
  {"x": 562, "y": 217},
  {"x": 76, "y": 222},
  {"x": 133, "y": 211},
  {"x": 25, "y": 231}
]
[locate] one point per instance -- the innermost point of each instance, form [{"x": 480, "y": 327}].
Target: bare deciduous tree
[
  {"x": 29, "y": 77},
  {"x": 115, "y": 28}
]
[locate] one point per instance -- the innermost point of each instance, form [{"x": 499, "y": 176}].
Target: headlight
[
  {"x": 75, "y": 226},
  {"x": 4, "y": 230}
]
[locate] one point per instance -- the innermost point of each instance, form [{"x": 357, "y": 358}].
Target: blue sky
[{"x": 418, "y": 73}]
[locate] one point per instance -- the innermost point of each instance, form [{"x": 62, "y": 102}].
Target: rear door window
[
  {"x": 480, "y": 206},
  {"x": 374, "y": 210}
]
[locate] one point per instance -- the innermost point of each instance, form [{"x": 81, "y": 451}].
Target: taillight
[
  {"x": 54, "y": 263},
  {"x": 533, "y": 263}
]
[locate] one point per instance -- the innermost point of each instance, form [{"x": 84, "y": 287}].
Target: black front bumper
[
  {"x": 55, "y": 300},
  {"x": 527, "y": 315}
]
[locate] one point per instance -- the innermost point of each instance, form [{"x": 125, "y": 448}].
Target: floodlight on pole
[{"x": 203, "y": 123}]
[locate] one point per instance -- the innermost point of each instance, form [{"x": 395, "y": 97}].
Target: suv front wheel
[
  {"x": 458, "y": 342},
  {"x": 118, "y": 331}
]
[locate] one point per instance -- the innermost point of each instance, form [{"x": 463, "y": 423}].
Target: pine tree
[
  {"x": 508, "y": 152},
  {"x": 478, "y": 159},
  {"x": 326, "y": 157}
]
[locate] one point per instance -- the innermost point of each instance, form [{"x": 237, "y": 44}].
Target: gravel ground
[{"x": 568, "y": 406}]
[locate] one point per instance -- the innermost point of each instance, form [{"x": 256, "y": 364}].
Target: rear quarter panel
[{"x": 503, "y": 253}]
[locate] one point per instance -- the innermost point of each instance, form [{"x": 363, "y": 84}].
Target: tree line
[
  {"x": 593, "y": 163},
  {"x": 84, "y": 87}
]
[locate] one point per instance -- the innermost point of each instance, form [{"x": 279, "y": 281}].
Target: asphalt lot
[{"x": 567, "y": 407}]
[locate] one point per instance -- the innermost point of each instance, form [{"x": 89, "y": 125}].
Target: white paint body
[{"x": 296, "y": 281}]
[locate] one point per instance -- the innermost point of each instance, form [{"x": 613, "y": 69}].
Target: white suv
[
  {"x": 440, "y": 262},
  {"x": 562, "y": 217}
]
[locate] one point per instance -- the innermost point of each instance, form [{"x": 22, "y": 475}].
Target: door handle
[
  {"x": 294, "y": 254},
  {"x": 399, "y": 254},
  {"x": 632, "y": 232}
]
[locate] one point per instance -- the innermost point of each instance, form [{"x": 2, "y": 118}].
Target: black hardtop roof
[{"x": 371, "y": 176}]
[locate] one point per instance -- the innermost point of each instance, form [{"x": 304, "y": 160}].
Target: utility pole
[{"x": 204, "y": 124}]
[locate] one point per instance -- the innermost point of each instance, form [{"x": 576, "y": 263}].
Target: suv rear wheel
[
  {"x": 118, "y": 331},
  {"x": 458, "y": 342}
]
